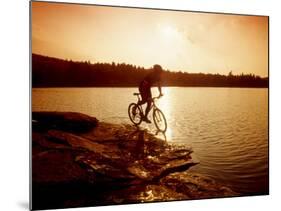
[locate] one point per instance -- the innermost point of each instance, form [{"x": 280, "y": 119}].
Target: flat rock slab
[
  {"x": 78, "y": 161},
  {"x": 65, "y": 121}
]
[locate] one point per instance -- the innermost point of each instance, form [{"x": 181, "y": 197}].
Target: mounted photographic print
[{"x": 136, "y": 105}]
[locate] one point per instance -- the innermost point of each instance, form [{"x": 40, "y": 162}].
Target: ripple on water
[{"x": 226, "y": 127}]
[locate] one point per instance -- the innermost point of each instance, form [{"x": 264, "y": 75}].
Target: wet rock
[
  {"x": 143, "y": 193},
  {"x": 196, "y": 186},
  {"x": 78, "y": 161},
  {"x": 56, "y": 166},
  {"x": 66, "y": 121}
]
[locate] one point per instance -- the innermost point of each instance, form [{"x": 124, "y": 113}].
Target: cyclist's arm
[{"x": 159, "y": 88}]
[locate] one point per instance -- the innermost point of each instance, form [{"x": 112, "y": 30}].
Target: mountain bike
[{"x": 136, "y": 114}]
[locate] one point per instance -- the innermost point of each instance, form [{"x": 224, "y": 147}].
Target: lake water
[{"x": 226, "y": 127}]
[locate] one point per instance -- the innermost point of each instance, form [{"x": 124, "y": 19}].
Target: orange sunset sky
[{"x": 186, "y": 41}]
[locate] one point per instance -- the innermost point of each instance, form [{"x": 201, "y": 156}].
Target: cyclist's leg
[
  {"x": 141, "y": 102},
  {"x": 144, "y": 91},
  {"x": 148, "y": 107},
  {"x": 149, "y": 102},
  {"x": 143, "y": 99}
]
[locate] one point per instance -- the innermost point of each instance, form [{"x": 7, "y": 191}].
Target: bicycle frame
[
  {"x": 157, "y": 115},
  {"x": 153, "y": 105}
]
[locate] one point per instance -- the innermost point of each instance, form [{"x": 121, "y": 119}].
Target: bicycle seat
[{"x": 136, "y": 93}]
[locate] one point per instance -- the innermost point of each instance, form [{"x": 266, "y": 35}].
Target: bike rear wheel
[
  {"x": 135, "y": 113},
  {"x": 159, "y": 120}
]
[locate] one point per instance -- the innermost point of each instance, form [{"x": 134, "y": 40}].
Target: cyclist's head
[{"x": 157, "y": 69}]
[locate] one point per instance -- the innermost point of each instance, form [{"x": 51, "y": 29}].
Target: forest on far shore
[{"x": 53, "y": 72}]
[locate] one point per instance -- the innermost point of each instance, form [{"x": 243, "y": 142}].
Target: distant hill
[{"x": 53, "y": 72}]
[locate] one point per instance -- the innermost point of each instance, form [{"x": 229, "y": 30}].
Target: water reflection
[
  {"x": 226, "y": 127},
  {"x": 161, "y": 135},
  {"x": 164, "y": 104},
  {"x": 139, "y": 150}
]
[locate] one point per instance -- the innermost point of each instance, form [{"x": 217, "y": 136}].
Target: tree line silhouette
[{"x": 53, "y": 72}]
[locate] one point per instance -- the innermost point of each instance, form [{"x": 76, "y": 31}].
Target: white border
[{"x": 14, "y": 136}]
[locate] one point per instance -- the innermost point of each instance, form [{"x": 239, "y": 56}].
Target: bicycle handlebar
[
  {"x": 153, "y": 98},
  {"x": 157, "y": 97}
]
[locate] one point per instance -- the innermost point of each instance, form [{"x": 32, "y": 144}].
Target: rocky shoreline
[{"x": 79, "y": 161}]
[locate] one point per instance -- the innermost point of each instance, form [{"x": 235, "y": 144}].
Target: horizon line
[{"x": 175, "y": 71}]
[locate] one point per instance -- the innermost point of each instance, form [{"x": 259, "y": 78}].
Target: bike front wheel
[
  {"x": 135, "y": 113},
  {"x": 159, "y": 120}
]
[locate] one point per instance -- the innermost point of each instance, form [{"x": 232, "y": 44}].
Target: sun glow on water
[{"x": 165, "y": 106}]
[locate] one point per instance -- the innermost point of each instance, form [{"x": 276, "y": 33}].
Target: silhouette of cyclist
[{"x": 145, "y": 88}]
